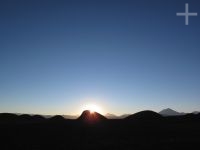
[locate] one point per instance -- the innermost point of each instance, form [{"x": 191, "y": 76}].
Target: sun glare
[{"x": 92, "y": 108}]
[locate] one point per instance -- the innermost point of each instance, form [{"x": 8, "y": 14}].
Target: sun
[{"x": 92, "y": 108}]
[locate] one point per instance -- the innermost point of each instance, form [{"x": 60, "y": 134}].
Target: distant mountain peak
[
  {"x": 111, "y": 116},
  {"x": 168, "y": 109},
  {"x": 170, "y": 112},
  {"x": 195, "y": 112}
]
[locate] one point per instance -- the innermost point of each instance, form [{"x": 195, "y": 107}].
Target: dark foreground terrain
[{"x": 144, "y": 130}]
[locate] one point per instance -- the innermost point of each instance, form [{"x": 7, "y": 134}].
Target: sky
[{"x": 57, "y": 56}]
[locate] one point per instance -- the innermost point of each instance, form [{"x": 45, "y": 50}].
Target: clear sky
[{"x": 56, "y": 56}]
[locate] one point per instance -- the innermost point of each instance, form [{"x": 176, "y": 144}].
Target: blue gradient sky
[{"x": 125, "y": 56}]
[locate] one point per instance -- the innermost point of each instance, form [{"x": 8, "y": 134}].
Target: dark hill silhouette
[
  {"x": 89, "y": 117},
  {"x": 38, "y": 118},
  {"x": 152, "y": 131},
  {"x": 8, "y": 117},
  {"x": 57, "y": 118},
  {"x": 25, "y": 117},
  {"x": 191, "y": 117},
  {"x": 144, "y": 115}
]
